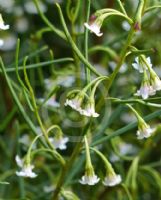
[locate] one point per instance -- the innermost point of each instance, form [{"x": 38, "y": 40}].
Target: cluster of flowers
[
  {"x": 94, "y": 27},
  {"x": 58, "y": 142},
  {"x": 151, "y": 82},
  {"x": 144, "y": 130},
  {"x": 76, "y": 103},
  {"x": 26, "y": 169},
  {"x": 109, "y": 180},
  {"x": 2, "y": 27}
]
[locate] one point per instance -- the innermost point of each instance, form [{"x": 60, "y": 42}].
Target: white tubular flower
[
  {"x": 73, "y": 103},
  {"x": 112, "y": 180},
  {"x": 89, "y": 111},
  {"x": 2, "y": 25},
  {"x": 145, "y": 91},
  {"x": 59, "y": 142},
  {"x": 144, "y": 131},
  {"x": 94, "y": 28},
  {"x": 26, "y": 170},
  {"x": 156, "y": 83},
  {"x": 140, "y": 65},
  {"x": 89, "y": 179}
]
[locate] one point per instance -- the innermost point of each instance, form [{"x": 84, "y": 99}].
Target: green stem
[
  {"x": 56, "y": 154},
  {"x": 16, "y": 99},
  {"x": 28, "y": 156},
  {"x": 30, "y": 55},
  {"x": 88, "y": 78},
  {"x": 106, "y": 15},
  {"x": 84, "y": 90},
  {"x": 68, "y": 165},
  {"x": 74, "y": 47},
  {"x": 122, "y": 7},
  {"x": 134, "y": 111},
  {"x": 152, "y": 7},
  {"x": 95, "y": 87},
  {"x": 127, "y": 44},
  {"x": 127, "y": 191},
  {"x": 65, "y": 170},
  {"x": 47, "y": 22},
  {"x": 34, "y": 152},
  {"x": 122, "y": 57},
  {"x": 139, "y": 13},
  {"x": 116, "y": 100},
  {"x": 94, "y": 82},
  {"x": 22, "y": 111},
  {"x": 76, "y": 59},
  {"x": 88, "y": 157},
  {"x": 53, "y": 127},
  {"x": 41, "y": 64},
  {"x": 105, "y": 49},
  {"x": 106, "y": 162},
  {"x": 16, "y": 65}
]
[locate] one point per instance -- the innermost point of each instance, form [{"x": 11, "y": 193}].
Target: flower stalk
[
  {"x": 111, "y": 178},
  {"x": 127, "y": 44},
  {"x": 56, "y": 154},
  {"x": 144, "y": 130},
  {"x": 74, "y": 47},
  {"x": 89, "y": 178}
]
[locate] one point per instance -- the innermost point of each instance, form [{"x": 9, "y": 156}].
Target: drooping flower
[
  {"x": 145, "y": 90},
  {"x": 26, "y": 169},
  {"x": 112, "y": 180},
  {"x": 2, "y": 25},
  {"x": 89, "y": 179},
  {"x": 74, "y": 103},
  {"x": 144, "y": 130},
  {"x": 156, "y": 83},
  {"x": 94, "y": 25},
  {"x": 95, "y": 28},
  {"x": 59, "y": 142},
  {"x": 89, "y": 111},
  {"x": 140, "y": 65}
]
